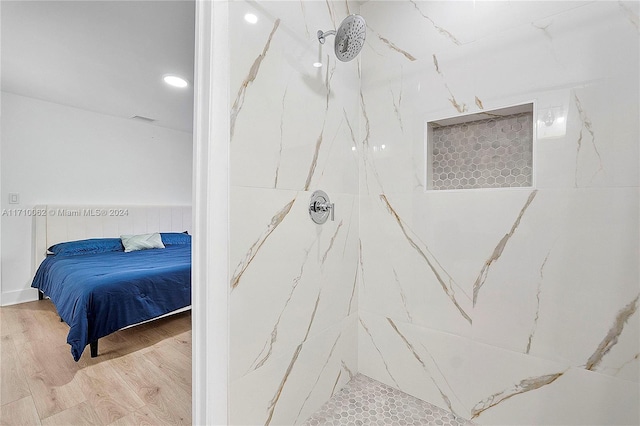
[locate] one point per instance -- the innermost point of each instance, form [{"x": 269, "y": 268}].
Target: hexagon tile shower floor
[{"x": 365, "y": 401}]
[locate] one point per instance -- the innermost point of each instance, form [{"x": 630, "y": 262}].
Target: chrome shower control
[{"x": 320, "y": 206}]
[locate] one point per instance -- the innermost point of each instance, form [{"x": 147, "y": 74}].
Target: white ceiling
[{"x": 102, "y": 56}]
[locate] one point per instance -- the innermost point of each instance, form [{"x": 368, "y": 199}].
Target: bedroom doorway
[{"x": 87, "y": 120}]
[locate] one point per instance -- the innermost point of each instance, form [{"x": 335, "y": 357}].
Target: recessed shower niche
[{"x": 490, "y": 149}]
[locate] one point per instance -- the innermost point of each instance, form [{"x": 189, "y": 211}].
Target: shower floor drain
[{"x": 365, "y": 401}]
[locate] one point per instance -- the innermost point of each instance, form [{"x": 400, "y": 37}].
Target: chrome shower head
[{"x": 349, "y": 39}]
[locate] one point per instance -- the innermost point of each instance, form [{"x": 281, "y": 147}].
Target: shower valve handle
[
  {"x": 323, "y": 207},
  {"x": 320, "y": 207}
]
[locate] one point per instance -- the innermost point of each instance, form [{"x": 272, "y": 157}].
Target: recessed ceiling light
[
  {"x": 174, "y": 80},
  {"x": 317, "y": 64},
  {"x": 251, "y": 18}
]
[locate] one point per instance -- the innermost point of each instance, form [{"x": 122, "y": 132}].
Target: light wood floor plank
[
  {"x": 142, "y": 417},
  {"x": 7, "y": 321},
  {"x": 51, "y": 375},
  {"x": 182, "y": 342},
  {"x": 169, "y": 403},
  {"x": 173, "y": 363},
  {"x": 81, "y": 414},
  {"x": 123, "y": 342},
  {"x": 13, "y": 325},
  {"x": 109, "y": 395},
  {"x": 13, "y": 385},
  {"x": 18, "y": 413},
  {"x": 36, "y": 322},
  {"x": 173, "y": 325},
  {"x": 121, "y": 386}
]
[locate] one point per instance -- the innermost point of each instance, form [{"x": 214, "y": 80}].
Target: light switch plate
[{"x": 14, "y": 198}]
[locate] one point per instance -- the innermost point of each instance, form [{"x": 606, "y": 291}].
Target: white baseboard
[{"x": 19, "y": 296}]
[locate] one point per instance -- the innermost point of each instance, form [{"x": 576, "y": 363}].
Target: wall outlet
[{"x": 14, "y": 198}]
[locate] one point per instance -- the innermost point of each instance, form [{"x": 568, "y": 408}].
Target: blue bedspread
[{"x": 97, "y": 294}]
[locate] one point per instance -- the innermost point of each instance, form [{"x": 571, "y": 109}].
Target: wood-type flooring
[{"x": 142, "y": 375}]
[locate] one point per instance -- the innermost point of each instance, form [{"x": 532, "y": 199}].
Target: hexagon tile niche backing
[{"x": 490, "y": 153}]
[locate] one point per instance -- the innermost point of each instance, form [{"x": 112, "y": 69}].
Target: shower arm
[
  {"x": 349, "y": 37},
  {"x": 323, "y": 34}
]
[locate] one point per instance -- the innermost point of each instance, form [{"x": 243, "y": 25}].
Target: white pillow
[{"x": 141, "y": 242}]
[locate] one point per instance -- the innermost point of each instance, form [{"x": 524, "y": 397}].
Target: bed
[{"x": 103, "y": 283}]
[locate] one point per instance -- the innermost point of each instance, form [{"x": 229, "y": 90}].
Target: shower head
[{"x": 349, "y": 37}]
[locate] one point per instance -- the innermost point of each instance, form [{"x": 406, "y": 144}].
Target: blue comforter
[{"x": 97, "y": 294}]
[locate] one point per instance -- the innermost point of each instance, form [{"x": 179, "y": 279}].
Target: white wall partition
[{"x": 210, "y": 276}]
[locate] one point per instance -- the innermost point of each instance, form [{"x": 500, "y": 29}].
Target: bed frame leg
[
  {"x": 94, "y": 349},
  {"x": 40, "y": 295}
]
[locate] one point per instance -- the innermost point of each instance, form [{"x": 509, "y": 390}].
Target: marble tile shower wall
[
  {"x": 515, "y": 306},
  {"x": 293, "y": 303}
]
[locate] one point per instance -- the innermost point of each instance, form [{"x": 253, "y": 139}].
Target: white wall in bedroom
[{"x": 54, "y": 154}]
